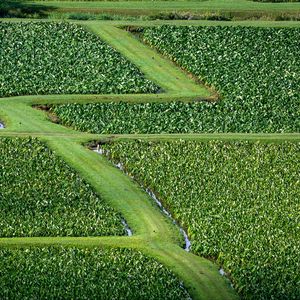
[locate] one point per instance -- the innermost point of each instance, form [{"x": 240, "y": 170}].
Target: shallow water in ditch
[
  {"x": 152, "y": 195},
  {"x": 128, "y": 230},
  {"x": 187, "y": 247},
  {"x": 1, "y": 125},
  {"x": 182, "y": 231}
]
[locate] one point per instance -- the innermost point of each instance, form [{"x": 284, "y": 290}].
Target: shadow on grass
[{"x": 22, "y": 9}]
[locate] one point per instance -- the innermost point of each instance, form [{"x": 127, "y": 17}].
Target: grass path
[
  {"x": 158, "y": 69},
  {"x": 153, "y": 232}
]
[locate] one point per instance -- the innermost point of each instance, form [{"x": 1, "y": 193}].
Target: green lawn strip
[
  {"x": 82, "y": 137},
  {"x": 83, "y": 99},
  {"x": 23, "y": 118},
  {"x": 149, "y": 23},
  {"x": 141, "y": 214},
  {"x": 118, "y": 190},
  {"x": 148, "y": 7},
  {"x": 152, "y": 64},
  {"x": 244, "y": 234},
  {"x": 122, "y": 242},
  {"x": 193, "y": 269}
]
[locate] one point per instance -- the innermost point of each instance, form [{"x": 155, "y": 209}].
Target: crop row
[
  {"x": 72, "y": 273},
  {"x": 42, "y": 196},
  {"x": 255, "y": 70},
  {"x": 239, "y": 202},
  {"x": 128, "y": 118},
  {"x": 63, "y": 58}
]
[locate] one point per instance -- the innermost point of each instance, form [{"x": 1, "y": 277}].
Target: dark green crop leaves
[
  {"x": 63, "y": 58},
  {"x": 256, "y": 71},
  {"x": 40, "y": 195},
  {"x": 239, "y": 202},
  {"x": 71, "y": 273},
  {"x": 127, "y": 118}
]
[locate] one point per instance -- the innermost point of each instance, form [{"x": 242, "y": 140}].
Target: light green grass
[
  {"x": 147, "y": 23},
  {"x": 148, "y": 7},
  {"x": 153, "y": 232},
  {"x": 157, "y": 68}
]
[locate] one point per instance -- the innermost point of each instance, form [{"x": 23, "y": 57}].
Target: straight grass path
[
  {"x": 172, "y": 79},
  {"x": 153, "y": 233},
  {"x": 145, "y": 23}
]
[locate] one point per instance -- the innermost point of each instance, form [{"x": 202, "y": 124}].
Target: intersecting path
[{"x": 153, "y": 234}]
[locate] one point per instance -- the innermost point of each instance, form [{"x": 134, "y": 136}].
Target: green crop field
[
  {"x": 238, "y": 200},
  {"x": 74, "y": 273},
  {"x": 263, "y": 96},
  {"x": 61, "y": 58},
  {"x": 255, "y": 70},
  {"x": 240, "y": 9},
  {"x": 196, "y": 104},
  {"x": 42, "y": 196}
]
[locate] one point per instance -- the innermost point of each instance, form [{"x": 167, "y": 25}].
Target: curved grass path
[{"x": 153, "y": 233}]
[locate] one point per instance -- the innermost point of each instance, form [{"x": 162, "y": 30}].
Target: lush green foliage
[
  {"x": 256, "y": 70},
  {"x": 239, "y": 202},
  {"x": 40, "y": 195},
  {"x": 122, "y": 117},
  {"x": 71, "y": 273},
  {"x": 63, "y": 58}
]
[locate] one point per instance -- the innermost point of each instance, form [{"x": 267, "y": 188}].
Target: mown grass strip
[
  {"x": 157, "y": 68},
  {"x": 148, "y": 7}
]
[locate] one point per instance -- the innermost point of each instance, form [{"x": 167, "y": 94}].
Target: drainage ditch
[{"x": 187, "y": 245}]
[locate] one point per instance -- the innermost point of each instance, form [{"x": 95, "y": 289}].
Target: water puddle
[
  {"x": 187, "y": 246},
  {"x": 128, "y": 230},
  {"x": 1, "y": 126},
  {"x": 222, "y": 272}
]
